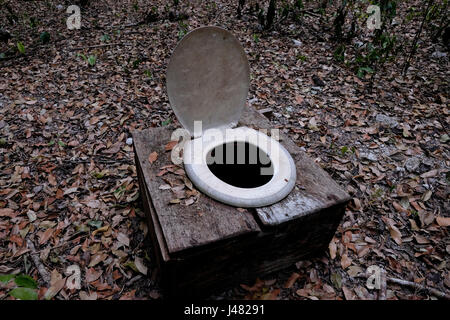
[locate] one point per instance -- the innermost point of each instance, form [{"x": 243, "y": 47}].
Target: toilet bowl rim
[{"x": 276, "y": 148}]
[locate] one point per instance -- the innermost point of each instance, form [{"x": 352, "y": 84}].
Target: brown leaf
[
  {"x": 290, "y": 282},
  {"x": 161, "y": 173},
  {"x": 102, "y": 229},
  {"x": 128, "y": 295},
  {"x": 304, "y": 292},
  {"x": 429, "y": 174},
  {"x": 6, "y": 212},
  {"x": 52, "y": 180},
  {"x": 54, "y": 289},
  {"x": 272, "y": 295},
  {"x": 393, "y": 230},
  {"x": 46, "y": 235},
  {"x": 421, "y": 240},
  {"x": 345, "y": 261},
  {"x": 170, "y": 145},
  {"x": 123, "y": 239},
  {"x": 443, "y": 221},
  {"x": 399, "y": 207},
  {"x": 139, "y": 263},
  {"x": 332, "y": 247},
  {"x": 73, "y": 143},
  {"x": 97, "y": 258},
  {"x": 92, "y": 274},
  {"x": 348, "y": 294},
  {"x": 84, "y": 296},
  {"x": 153, "y": 156}
]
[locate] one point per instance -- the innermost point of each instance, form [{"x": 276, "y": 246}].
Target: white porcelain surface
[
  {"x": 208, "y": 78},
  {"x": 282, "y": 182}
]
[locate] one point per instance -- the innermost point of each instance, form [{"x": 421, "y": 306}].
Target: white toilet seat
[
  {"x": 208, "y": 78},
  {"x": 284, "y": 172}
]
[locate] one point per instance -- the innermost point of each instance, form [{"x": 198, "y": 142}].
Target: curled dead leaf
[
  {"x": 170, "y": 145},
  {"x": 443, "y": 221},
  {"x": 332, "y": 247},
  {"x": 153, "y": 156},
  {"x": 345, "y": 261},
  {"x": 393, "y": 230}
]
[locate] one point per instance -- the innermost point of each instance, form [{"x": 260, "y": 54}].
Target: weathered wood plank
[
  {"x": 185, "y": 227},
  {"x": 315, "y": 190}
]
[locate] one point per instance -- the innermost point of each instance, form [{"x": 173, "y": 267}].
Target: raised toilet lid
[{"x": 208, "y": 78}]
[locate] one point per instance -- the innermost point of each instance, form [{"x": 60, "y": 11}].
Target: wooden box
[{"x": 209, "y": 246}]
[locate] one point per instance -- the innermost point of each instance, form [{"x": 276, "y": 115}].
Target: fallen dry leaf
[
  {"x": 170, "y": 145},
  {"x": 290, "y": 282},
  {"x": 443, "y": 221},
  {"x": 153, "y": 156}
]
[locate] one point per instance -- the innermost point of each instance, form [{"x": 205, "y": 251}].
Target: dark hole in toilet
[{"x": 240, "y": 164}]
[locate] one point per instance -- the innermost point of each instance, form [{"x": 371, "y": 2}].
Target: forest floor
[{"x": 69, "y": 196}]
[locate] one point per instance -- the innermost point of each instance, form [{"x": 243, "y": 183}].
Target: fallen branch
[
  {"x": 417, "y": 286},
  {"x": 37, "y": 262},
  {"x": 95, "y": 46}
]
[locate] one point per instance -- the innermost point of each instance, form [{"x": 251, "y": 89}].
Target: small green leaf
[
  {"x": 5, "y": 278},
  {"x": 61, "y": 144},
  {"x": 95, "y": 223},
  {"x": 20, "y": 47},
  {"x": 166, "y": 122},
  {"x": 148, "y": 74},
  {"x": 83, "y": 228},
  {"x": 91, "y": 60},
  {"x": 131, "y": 265},
  {"x": 336, "y": 279},
  {"x": 98, "y": 175},
  {"x": 25, "y": 281},
  {"x": 105, "y": 38},
  {"x": 83, "y": 56},
  {"x": 24, "y": 294},
  {"x": 44, "y": 37}
]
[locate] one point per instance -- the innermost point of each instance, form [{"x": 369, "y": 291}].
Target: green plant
[
  {"x": 136, "y": 63},
  {"x": 21, "y": 47},
  {"x": 182, "y": 29},
  {"x": 25, "y": 286},
  {"x": 339, "y": 53},
  {"x": 148, "y": 74},
  {"x": 44, "y": 37},
  {"x": 105, "y": 38},
  {"x": 91, "y": 60},
  {"x": 302, "y": 58}
]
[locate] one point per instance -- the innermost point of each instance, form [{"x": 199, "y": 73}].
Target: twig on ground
[
  {"x": 37, "y": 262},
  {"x": 95, "y": 46},
  {"x": 133, "y": 280},
  {"x": 418, "y": 286}
]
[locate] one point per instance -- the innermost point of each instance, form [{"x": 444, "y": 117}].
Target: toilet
[{"x": 208, "y": 79}]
